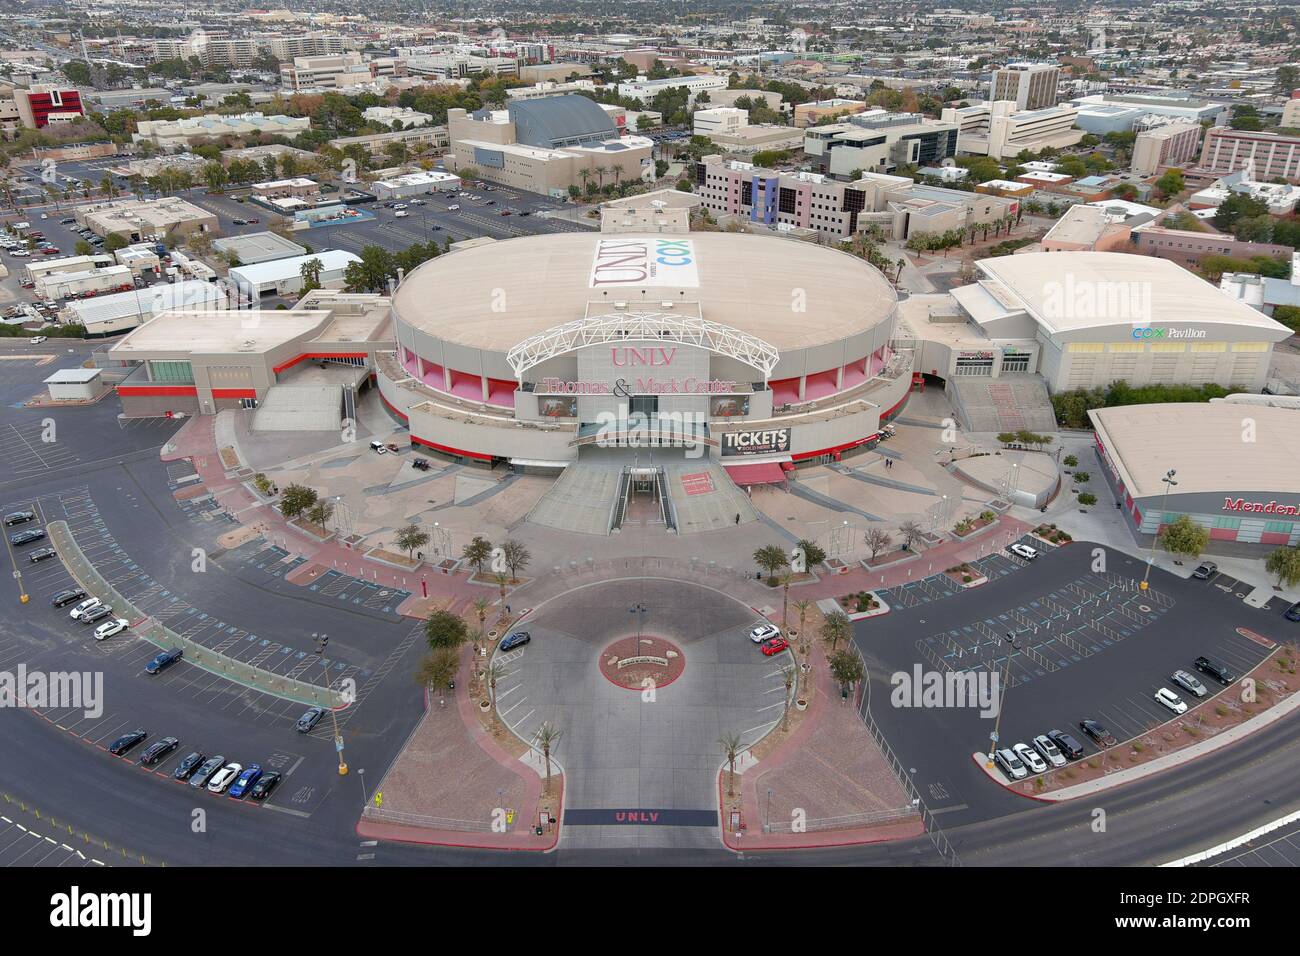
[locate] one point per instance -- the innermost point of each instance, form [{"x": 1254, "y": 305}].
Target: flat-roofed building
[
  {"x": 254, "y": 247},
  {"x": 1271, "y": 155},
  {"x": 298, "y": 187},
  {"x": 388, "y": 115},
  {"x": 810, "y": 114},
  {"x": 141, "y": 219},
  {"x": 415, "y": 184},
  {"x": 284, "y": 276},
  {"x": 1085, "y": 228},
  {"x": 193, "y": 130},
  {"x": 1245, "y": 496},
  {"x": 1032, "y": 86},
  {"x": 1168, "y": 145}
]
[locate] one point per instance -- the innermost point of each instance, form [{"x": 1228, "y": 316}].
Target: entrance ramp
[
  {"x": 300, "y": 408},
  {"x": 703, "y": 496},
  {"x": 582, "y": 498}
]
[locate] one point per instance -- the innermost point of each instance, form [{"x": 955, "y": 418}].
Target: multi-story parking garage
[{"x": 766, "y": 351}]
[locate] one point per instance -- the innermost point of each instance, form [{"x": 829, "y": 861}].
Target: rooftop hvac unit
[{"x": 620, "y": 306}]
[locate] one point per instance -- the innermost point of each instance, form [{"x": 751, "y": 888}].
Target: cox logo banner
[{"x": 642, "y": 263}]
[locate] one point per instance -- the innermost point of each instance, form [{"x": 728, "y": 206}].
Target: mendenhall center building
[{"x": 766, "y": 352}]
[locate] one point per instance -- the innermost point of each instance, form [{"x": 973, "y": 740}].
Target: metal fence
[
  {"x": 380, "y": 815},
  {"x": 870, "y": 818},
  {"x": 155, "y": 632}
]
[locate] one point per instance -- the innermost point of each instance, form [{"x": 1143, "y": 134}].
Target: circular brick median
[{"x": 649, "y": 657}]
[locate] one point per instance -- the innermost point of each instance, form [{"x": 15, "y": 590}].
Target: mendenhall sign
[{"x": 1260, "y": 507}]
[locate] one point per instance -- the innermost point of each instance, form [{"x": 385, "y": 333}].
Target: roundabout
[{"x": 640, "y": 746}]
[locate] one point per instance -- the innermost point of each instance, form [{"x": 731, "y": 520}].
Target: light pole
[
  {"x": 365, "y": 797},
  {"x": 639, "y": 610},
  {"x": 1168, "y": 479},
  {"x": 321, "y": 641},
  {"x": 1002, "y": 698}
]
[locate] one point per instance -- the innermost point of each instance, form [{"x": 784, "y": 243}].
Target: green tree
[
  {"x": 836, "y": 627},
  {"x": 1184, "y": 536},
  {"x": 411, "y": 537},
  {"x": 444, "y": 629},
  {"x": 846, "y": 668},
  {"x": 1285, "y": 563},
  {"x": 476, "y": 552},
  {"x": 83, "y": 248},
  {"x": 115, "y": 241},
  {"x": 296, "y": 499},
  {"x": 813, "y": 553},
  {"x": 1171, "y": 183},
  {"x": 771, "y": 558},
  {"x": 438, "y": 668}
]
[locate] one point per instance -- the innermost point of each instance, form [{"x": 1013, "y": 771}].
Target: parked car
[
  {"x": 245, "y": 781},
  {"x": 67, "y": 221},
  {"x": 265, "y": 784},
  {"x": 774, "y": 645},
  {"x": 762, "y": 631},
  {"x": 1099, "y": 734},
  {"x": 1205, "y": 570},
  {"x": 1293, "y": 612},
  {"x": 1010, "y": 764},
  {"x": 189, "y": 763},
  {"x": 38, "y": 340},
  {"x": 164, "y": 660},
  {"x": 158, "y": 749},
  {"x": 1189, "y": 683},
  {"x": 26, "y": 537},
  {"x": 126, "y": 742},
  {"x": 210, "y": 766},
  {"x": 1216, "y": 669},
  {"x": 401, "y": 214},
  {"x": 379, "y": 447},
  {"x": 41, "y": 554},
  {"x": 109, "y": 628},
  {"x": 1169, "y": 699},
  {"x": 83, "y": 607},
  {"x": 420, "y": 463},
  {"x": 18, "y": 517},
  {"x": 67, "y": 596},
  {"x": 1049, "y": 751},
  {"x": 517, "y": 639},
  {"x": 96, "y": 613},
  {"x": 310, "y": 719},
  {"x": 1023, "y": 551},
  {"x": 1068, "y": 744},
  {"x": 224, "y": 777},
  {"x": 1030, "y": 758}
]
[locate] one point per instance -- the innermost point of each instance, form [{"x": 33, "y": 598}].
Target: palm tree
[
  {"x": 481, "y": 607},
  {"x": 547, "y": 737},
  {"x": 496, "y": 670},
  {"x": 785, "y": 598},
  {"x": 730, "y": 744},
  {"x": 803, "y": 606},
  {"x": 789, "y": 675},
  {"x": 502, "y": 580},
  {"x": 836, "y": 628}
]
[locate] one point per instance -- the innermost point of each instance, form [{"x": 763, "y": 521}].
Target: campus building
[
  {"x": 999, "y": 130},
  {"x": 1031, "y": 86},
  {"x": 1244, "y": 493},
  {"x": 1270, "y": 155}
]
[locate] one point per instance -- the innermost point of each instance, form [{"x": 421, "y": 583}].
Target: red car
[{"x": 774, "y": 645}]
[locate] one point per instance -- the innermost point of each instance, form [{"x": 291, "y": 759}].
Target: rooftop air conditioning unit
[{"x": 620, "y": 306}]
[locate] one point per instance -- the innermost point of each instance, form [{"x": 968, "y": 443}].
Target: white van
[
  {"x": 401, "y": 213},
  {"x": 454, "y": 206}
]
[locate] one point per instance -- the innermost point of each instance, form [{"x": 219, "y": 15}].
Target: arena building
[{"x": 761, "y": 350}]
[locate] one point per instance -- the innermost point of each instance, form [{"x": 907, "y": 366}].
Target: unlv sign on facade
[{"x": 642, "y": 262}]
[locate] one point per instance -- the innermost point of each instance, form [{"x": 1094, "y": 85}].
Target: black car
[
  {"x": 309, "y": 720},
  {"x": 67, "y": 222},
  {"x": 420, "y": 463},
  {"x": 517, "y": 639},
  {"x": 164, "y": 660},
  {"x": 157, "y": 750},
  {"x": 41, "y": 554},
  {"x": 127, "y": 741},
  {"x": 1216, "y": 669},
  {"x": 185, "y": 769},
  {"x": 26, "y": 537},
  {"x": 67, "y": 596},
  {"x": 97, "y": 613},
  {"x": 18, "y": 517},
  {"x": 1072, "y": 749},
  {"x": 265, "y": 784},
  {"x": 1099, "y": 734},
  {"x": 1293, "y": 612}
]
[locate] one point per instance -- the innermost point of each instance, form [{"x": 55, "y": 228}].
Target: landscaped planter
[
  {"x": 835, "y": 566},
  {"x": 485, "y": 705},
  {"x": 801, "y": 704},
  {"x": 1050, "y": 534}
]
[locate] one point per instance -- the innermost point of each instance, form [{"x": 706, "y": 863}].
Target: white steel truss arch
[{"x": 633, "y": 326}]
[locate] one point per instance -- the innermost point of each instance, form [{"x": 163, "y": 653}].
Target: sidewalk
[
  {"x": 451, "y": 780},
  {"x": 828, "y": 768}
]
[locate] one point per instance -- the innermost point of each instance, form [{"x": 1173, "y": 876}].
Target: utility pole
[
  {"x": 321, "y": 641},
  {"x": 1168, "y": 479}
]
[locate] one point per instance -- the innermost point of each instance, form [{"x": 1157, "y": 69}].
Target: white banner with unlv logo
[{"x": 664, "y": 261}]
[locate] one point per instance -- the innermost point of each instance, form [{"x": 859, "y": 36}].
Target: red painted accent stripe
[
  {"x": 834, "y": 448},
  {"x": 234, "y": 393},
  {"x": 315, "y": 355},
  {"x": 393, "y": 408},
  {"x": 415, "y": 440},
  {"x": 141, "y": 390}
]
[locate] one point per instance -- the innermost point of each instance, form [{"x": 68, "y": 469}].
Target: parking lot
[{"x": 1067, "y": 643}]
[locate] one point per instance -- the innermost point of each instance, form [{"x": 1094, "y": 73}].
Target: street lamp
[
  {"x": 321, "y": 641},
  {"x": 639, "y": 610},
  {"x": 1168, "y": 479}
]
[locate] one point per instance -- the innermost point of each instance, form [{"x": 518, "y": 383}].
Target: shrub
[
  {"x": 1082, "y": 477},
  {"x": 1087, "y": 498},
  {"x": 1070, "y": 461}
]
